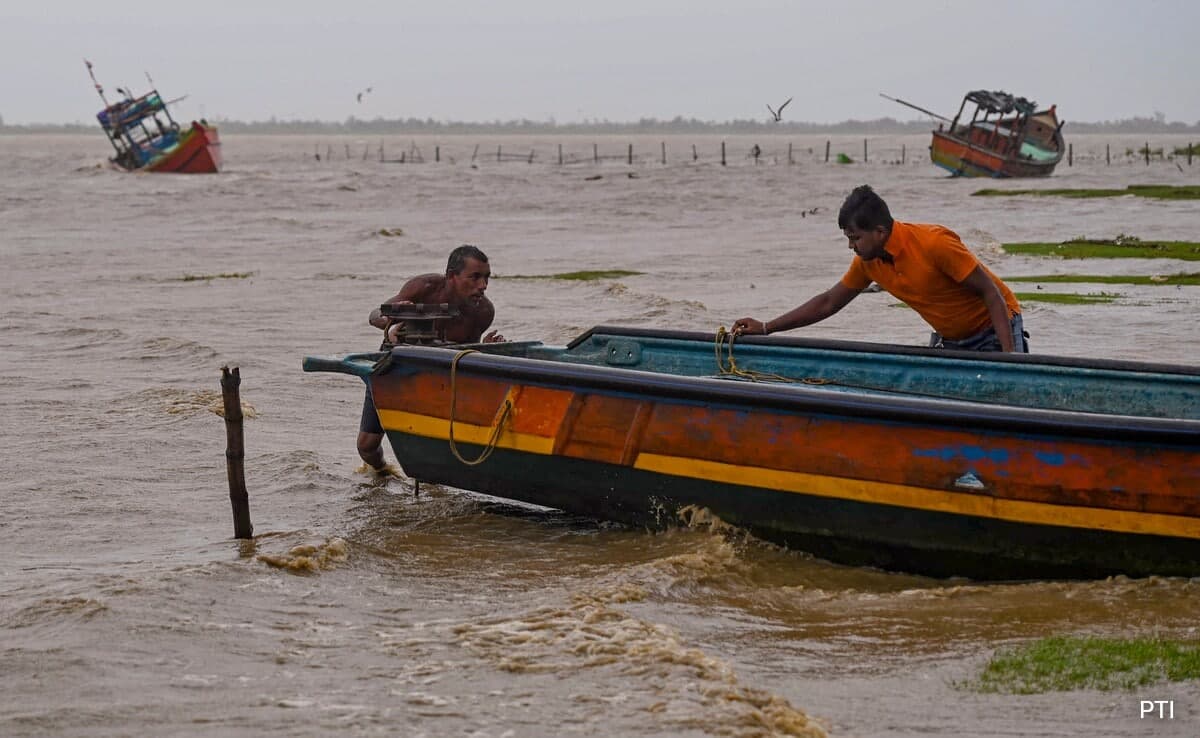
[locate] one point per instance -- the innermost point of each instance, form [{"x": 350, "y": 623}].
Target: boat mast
[{"x": 103, "y": 99}]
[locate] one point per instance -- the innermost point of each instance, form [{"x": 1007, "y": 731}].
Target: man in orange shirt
[{"x": 927, "y": 267}]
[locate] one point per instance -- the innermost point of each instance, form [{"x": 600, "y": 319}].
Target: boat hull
[
  {"x": 933, "y": 486},
  {"x": 198, "y": 152},
  {"x": 962, "y": 158}
]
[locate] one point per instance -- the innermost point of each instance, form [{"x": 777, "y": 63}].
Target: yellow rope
[
  {"x": 724, "y": 336},
  {"x": 501, "y": 415}
]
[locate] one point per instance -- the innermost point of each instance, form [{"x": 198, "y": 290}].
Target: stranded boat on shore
[
  {"x": 146, "y": 137},
  {"x": 1020, "y": 141},
  {"x": 993, "y": 466}
]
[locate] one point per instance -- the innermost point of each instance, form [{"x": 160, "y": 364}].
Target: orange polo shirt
[{"x": 929, "y": 263}]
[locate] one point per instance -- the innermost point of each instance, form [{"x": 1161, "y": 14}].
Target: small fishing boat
[
  {"x": 146, "y": 137},
  {"x": 1020, "y": 141},
  {"x": 945, "y": 463}
]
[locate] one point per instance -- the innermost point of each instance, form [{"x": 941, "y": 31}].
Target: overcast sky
[{"x": 619, "y": 60}]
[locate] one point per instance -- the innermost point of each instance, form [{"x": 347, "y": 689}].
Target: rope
[
  {"x": 733, "y": 370},
  {"x": 502, "y": 415}
]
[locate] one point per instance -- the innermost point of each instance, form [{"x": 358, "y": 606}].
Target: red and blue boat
[
  {"x": 945, "y": 463},
  {"x": 147, "y": 138}
]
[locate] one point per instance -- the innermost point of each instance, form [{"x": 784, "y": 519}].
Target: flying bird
[
  {"x": 778, "y": 114},
  {"x": 359, "y": 96}
]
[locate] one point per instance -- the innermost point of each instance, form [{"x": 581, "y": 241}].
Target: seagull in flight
[
  {"x": 778, "y": 114},
  {"x": 359, "y": 96}
]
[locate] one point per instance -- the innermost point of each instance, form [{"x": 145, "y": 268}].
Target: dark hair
[
  {"x": 458, "y": 258},
  {"x": 864, "y": 210}
]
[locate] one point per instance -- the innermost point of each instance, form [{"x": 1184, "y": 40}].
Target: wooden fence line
[{"x": 753, "y": 154}]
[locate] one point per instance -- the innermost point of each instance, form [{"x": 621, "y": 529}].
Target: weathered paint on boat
[
  {"x": 944, "y": 463},
  {"x": 198, "y": 151}
]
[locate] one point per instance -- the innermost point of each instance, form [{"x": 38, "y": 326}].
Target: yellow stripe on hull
[
  {"x": 920, "y": 498},
  {"x": 857, "y": 490}
]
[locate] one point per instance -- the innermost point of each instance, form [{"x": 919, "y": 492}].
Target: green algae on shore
[
  {"x": 583, "y": 276},
  {"x": 1189, "y": 278},
  {"x": 1158, "y": 192},
  {"x": 1116, "y": 248},
  {"x": 1062, "y": 663},
  {"x": 1067, "y": 298}
]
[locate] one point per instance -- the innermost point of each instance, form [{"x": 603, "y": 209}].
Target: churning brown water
[{"x": 127, "y": 609}]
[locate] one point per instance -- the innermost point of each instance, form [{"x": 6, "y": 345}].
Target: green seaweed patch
[
  {"x": 1190, "y": 278},
  {"x": 211, "y": 277},
  {"x": 584, "y": 276},
  {"x": 1159, "y": 192},
  {"x": 390, "y": 232},
  {"x": 1118, "y": 248},
  {"x": 1062, "y": 663},
  {"x": 1189, "y": 150},
  {"x": 1068, "y": 298}
]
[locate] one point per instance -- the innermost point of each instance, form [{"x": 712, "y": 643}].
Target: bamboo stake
[
  {"x": 827, "y": 151},
  {"x": 722, "y": 153},
  {"x": 235, "y": 453}
]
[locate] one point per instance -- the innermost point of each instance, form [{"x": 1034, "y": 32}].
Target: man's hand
[{"x": 492, "y": 337}]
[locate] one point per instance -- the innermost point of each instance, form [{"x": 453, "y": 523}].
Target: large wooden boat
[
  {"x": 1019, "y": 141},
  {"x": 146, "y": 137},
  {"x": 991, "y": 466}
]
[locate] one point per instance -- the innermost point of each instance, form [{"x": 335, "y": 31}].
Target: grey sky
[{"x": 614, "y": 59}]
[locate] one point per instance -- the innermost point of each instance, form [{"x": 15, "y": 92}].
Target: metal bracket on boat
[
  {"x": 418, "y": 322},
  {"x": 623, "y": 353}
]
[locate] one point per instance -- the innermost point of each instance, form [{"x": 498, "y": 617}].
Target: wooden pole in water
[
  {"x": 595, "y": 154},
  {"x": 235, "y": 452},
  {"x": 497, "y": 153},
  {"x": 1070, "y": 154},
  {"x": 664, "y": 153},
  {"x": 790, "y": 159},
  {"x": 864, "y": 151},
  {"x": 437, "y": 154},
  {"x": 722, "y": 153},
  {"x": 1191, "y": 146},
  {"x": 695, "y": 156},
  {"x": 903, "y": 153},
  {"x": 1147, "y": 153},
  {"x": 629, "y": 158},
  {"x": 1107, "y": 155},
  {"x": 560, "y": 155},
  {"x": 827, "y": 151}
]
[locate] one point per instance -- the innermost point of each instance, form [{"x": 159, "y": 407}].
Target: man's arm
[
  {"x": 414, "y": 290},
  {"x": 813, "y": 311},
  {"x": 981, "y": 284}
]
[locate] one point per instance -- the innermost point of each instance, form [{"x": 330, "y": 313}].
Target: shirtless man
[{"x": 462, "y": 286}]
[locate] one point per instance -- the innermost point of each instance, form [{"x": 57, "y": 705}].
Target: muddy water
[{"x": 364, "y": 609}]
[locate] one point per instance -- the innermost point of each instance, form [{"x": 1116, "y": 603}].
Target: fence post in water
[
  {"x": 595, "y": 154},
  {"x": 1147, "y": 153},
  {"x": 437, "y": 153},
  {"x": 826, "y": 151},
  {"x": 1070, "y": 154},
  {"x": 790, "y": 159},
  {"x": 560, "y": 155},
  {"x": 235, "y": 453},
  {"x": 1107, "y": 155},
  {"x": 695, "y": 156},
  {"x": 497, "y": 153},
  {"x": 903, "y": 153},
  {"x": 630, "y": 156},
  {"x": 722, "y": 153},
  {"x": 1191, "y": 146},
  {"x": 664, "y": 153},
  {"x": 864, "y": 151}
]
